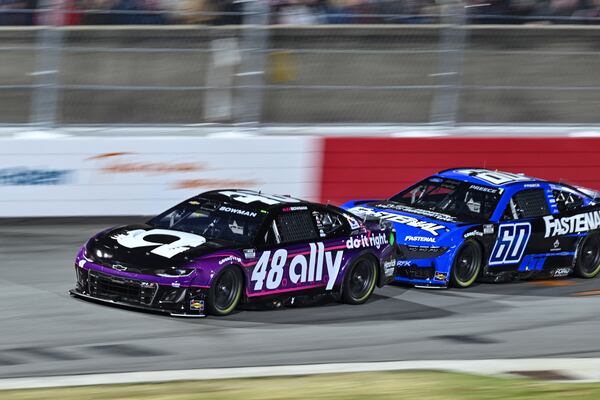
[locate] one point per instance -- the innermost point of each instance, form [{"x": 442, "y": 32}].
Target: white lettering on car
[
  {"x": 137, "y": 238},
  {"x": 574, "y": 224},
  {"x": 430, "y": 227},
  {"x": 269, "y": 271},
  {"x": 251, "y": 197}
]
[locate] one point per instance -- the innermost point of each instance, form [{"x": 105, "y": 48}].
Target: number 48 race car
[
  {"x": 222, "y": 248},
  {"x": 464, "y": 224}
]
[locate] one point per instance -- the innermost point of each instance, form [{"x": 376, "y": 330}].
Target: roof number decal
[
  {"x": 251, "y": 197},
  {"x": 494, "y": 177}
]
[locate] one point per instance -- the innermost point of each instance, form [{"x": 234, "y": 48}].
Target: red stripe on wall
[{"x": 363, "y": 168}]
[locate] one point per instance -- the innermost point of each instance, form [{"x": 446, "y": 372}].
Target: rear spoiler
[{"x": 590, "y": 192}]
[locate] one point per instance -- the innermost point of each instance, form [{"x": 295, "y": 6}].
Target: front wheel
[
  {"x": 225, "y": 293},
  {"x": 588, "y": 258},
  {"x": 359, "y": 282},
  {"x": 467, "y": 265}
]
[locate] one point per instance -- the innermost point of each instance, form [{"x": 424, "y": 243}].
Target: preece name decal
[
  {"x": 401, "y": 219},
  {"x": 574, "y": 224},
  {"x": 301, "y": 268},
  {"x": 367, "y": 241}
]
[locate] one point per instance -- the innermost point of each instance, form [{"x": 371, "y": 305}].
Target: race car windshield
[
  {"x": 212, "y": 220},
  {"x": 462, "y": 200}
]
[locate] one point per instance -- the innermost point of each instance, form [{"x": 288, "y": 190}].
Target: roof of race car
[
  {"x": 487, "y": 177},
  {"x": 251, "y": 198}
]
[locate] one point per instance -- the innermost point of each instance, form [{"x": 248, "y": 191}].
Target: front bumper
[
  {"x": 422, "y": 276},
  {"x": 139, "y": 294}
]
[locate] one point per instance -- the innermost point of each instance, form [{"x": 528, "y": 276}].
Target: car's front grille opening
[
  {"x": 414, "y": 272},
  {"x": 121, "y": 289}
]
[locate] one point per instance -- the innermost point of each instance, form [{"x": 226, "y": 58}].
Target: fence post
[
  {"x": 453, "y": 36},
  {"x": 250, "y": 77},
  {"x": 45, "y": 96}
]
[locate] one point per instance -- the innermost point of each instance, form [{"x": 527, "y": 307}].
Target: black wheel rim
[
  {"x": 361, "y": 279},
  {"x": 226, "y": 289},
  {"x": 590, "y": 255},
  {"x": 467, "y": 264}
]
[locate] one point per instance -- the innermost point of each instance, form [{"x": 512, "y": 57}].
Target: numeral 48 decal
[
  {"x": 268, "y": 276},
  {"x": 511, "y": 243}
]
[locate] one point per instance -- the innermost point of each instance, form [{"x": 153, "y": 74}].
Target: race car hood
[
  {"x": 145, "y": 248},
  {"x": 412, "y": 225}
]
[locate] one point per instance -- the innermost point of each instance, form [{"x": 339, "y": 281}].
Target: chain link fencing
[{"x": 250, "y": 65}]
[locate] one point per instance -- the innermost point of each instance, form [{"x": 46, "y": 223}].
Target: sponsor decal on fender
[
  {"x": 472, "y": 234},
  {"x": 389, "y": 267},
  {"x": 574, "y": 224},
  {"x": 230, "y": 259},
  {"x": 367, "y": 241},
  {"x": 430, "y": 227},
  {"x": 420, "y": 239},
  {"x": 301, "y": 270},
  {"x": 440, "y": 276},
  {"x": 197, "y": 305}
]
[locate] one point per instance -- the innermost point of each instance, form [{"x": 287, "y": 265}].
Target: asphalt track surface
[{"x": 45, "y": 332}]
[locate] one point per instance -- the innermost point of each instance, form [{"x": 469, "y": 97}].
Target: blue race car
[{"x": 463, "y": 224}]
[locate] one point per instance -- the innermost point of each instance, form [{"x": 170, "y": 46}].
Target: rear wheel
[
  {"x": 588, "y": 258},
  {"x": 467, "y": 265},
  {"x": 225, "y": 293},
  {"x": 359, "y": 282}
]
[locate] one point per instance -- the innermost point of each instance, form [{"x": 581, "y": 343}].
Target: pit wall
[{"x": 143, "y": 176}]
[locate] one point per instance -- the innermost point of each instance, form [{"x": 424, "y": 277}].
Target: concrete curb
[{"x": 574, "y": 369}]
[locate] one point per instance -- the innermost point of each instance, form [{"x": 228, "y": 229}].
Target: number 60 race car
[
  {"x": 464, "y": 224},
  {"x": 222, "y": 248}
]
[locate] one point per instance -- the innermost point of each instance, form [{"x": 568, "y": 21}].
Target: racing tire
[
  {"x": 467, "y": 265},
  {"x": 359, "y": 282},
  {"x": 587, "y": 264},
  {"x": 225, "y": 293}
]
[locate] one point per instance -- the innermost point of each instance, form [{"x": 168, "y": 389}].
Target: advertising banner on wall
[
  {"x": 378, "y": 168},
  {"x": 143, "y": 176}
]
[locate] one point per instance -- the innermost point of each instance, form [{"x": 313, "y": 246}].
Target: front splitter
[{"x": 75, "y": 293}]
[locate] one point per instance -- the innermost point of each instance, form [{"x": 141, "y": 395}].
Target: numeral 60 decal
[{"x": 511, "y": 243}]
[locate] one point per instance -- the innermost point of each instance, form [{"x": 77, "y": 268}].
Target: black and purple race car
[{"x": 224, "y": 248}]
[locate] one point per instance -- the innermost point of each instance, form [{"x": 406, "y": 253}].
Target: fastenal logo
[{"x": 574, "y": 224}]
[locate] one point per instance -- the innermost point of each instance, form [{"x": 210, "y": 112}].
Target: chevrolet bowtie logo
[{"x": 119, "y": 267}]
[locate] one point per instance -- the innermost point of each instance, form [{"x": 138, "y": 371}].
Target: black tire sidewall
[
  {"x": 578, "y": 269},
  {"x": 346, "y": 296},
  {"x": 210, "y": 304},
  {"x": 454, "y": 280}
]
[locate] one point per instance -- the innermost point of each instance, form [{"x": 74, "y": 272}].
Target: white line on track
[{"x": 579, "y": 369}]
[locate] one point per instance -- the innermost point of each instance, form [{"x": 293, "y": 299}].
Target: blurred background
[
  {"x": 295, "y": 62},
  {"x": 123, "y": 108},
  {"x": 294, "y": 75}
]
